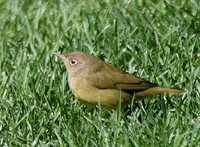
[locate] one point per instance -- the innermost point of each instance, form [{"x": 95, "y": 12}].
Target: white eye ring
[{"x": 73, "y": 62}]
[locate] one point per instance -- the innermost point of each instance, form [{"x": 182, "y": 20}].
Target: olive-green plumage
[{"x": 93, "y": 80}]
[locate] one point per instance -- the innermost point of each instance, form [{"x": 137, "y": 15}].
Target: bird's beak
[{"x": 60, "y": 55}]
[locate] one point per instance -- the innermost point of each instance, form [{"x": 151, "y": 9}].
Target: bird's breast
[
  {"x": 86, "y": 92},
  {"x": 73, "y": 83}
]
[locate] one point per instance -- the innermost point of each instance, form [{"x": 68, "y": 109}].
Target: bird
[{"x": 93, "y": 81}]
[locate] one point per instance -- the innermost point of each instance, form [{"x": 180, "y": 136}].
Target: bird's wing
[{"x": 109, "y": 77}]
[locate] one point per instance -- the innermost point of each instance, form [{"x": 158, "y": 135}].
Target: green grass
[{"x": 157, "y": 40}]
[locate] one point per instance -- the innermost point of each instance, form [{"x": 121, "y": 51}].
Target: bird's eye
[{"x": 73, "y": 62}]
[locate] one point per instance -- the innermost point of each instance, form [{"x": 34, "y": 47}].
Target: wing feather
[{"x": 109, "y": 77}]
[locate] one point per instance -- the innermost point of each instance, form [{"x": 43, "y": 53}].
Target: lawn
[{"x": 156, "y": 40}]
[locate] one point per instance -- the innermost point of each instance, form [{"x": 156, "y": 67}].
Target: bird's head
[{"x": 78, "y": 62}]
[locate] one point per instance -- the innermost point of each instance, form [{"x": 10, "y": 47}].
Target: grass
[{"x": 157, "y": 40}]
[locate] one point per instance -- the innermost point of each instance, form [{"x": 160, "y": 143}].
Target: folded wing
[{"x": 109, "y": 77}]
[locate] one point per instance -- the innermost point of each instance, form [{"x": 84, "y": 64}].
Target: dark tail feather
[{"x": 159, "y": 90}]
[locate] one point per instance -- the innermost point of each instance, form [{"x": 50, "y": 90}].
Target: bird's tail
[{"x": 158, "y": 90}]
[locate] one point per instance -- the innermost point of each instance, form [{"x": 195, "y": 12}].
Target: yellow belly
[{"x": 105, "y": 97}]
